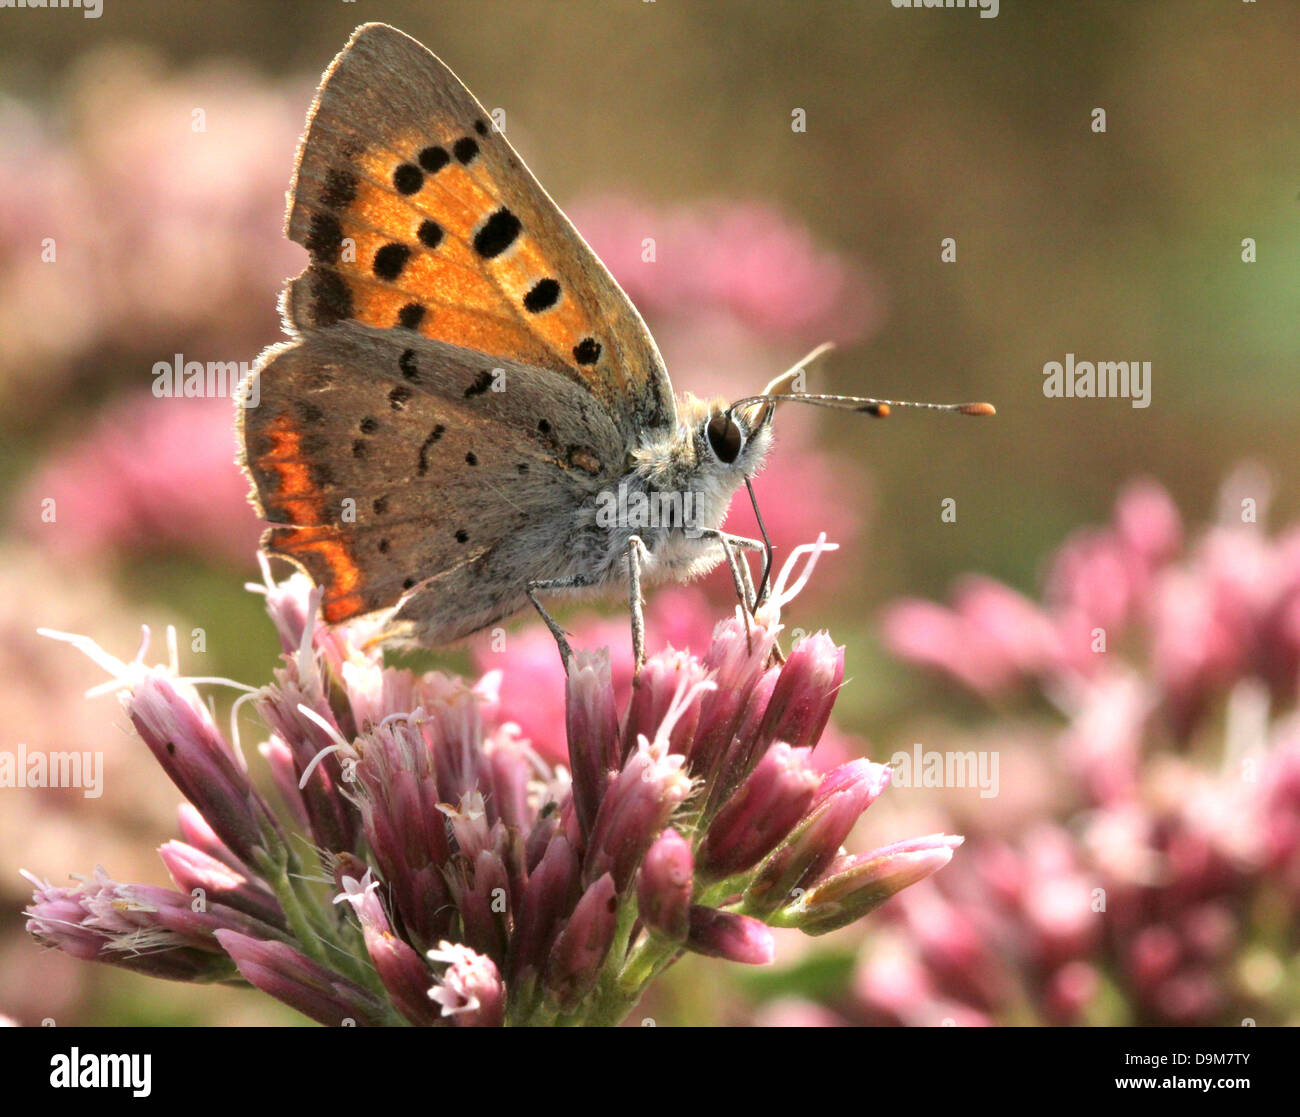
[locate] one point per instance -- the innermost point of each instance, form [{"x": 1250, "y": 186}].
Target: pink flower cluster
[
  {"x": 475, "y": 883},
  {"x": 1195, "y": 620},
  {"x": 1164, "y": 887}
]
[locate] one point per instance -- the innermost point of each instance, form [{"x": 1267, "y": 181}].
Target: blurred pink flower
[
  {"x": 1194, "y": 619},
  {"x": 1036, "y": 931},
  {"x": 795, "y": 1012},
  {"x": 1233, "y": 610},
  {"x": 150, "y": 474},
  {"x": 989, "y": 640},
  {"x": 746, "y": 259},
  {"x": 43, "y": 705},
  {"x": 161, "y": 204},
  {"x": 1165, "y": 888}
]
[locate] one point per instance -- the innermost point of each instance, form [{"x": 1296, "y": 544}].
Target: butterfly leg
[
  {"x": 740, "y": 573},
  {"x": 636, "y": 551},
  {"x": 743, "y": 579},
  {"x": 573, "y": 582}
]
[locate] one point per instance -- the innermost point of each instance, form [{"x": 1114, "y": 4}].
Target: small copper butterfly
[{"x": 470, "y": 409}]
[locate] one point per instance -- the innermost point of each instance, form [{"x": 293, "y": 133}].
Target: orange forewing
[{"x": 419, "y": 215}]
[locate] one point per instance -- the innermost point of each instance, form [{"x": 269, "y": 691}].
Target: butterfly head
[
  {"x": 727, "y": 444},
  {"x": 714, "y": 449}
]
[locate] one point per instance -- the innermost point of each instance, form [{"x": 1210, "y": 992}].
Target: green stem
[{"x": 311, "y": 925}]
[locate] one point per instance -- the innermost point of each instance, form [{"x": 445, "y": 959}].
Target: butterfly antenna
[
  {"x": 776, "y": 387},
  {"x": 767, "y": 547},
  {"x": 781, "y": 385},
  {"x": 880, "y": 408}
]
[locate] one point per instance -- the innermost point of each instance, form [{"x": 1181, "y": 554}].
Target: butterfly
[{"x": 469, "y": 407}]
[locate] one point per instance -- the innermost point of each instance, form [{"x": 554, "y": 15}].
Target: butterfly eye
[{"x": 725, "y": 438}]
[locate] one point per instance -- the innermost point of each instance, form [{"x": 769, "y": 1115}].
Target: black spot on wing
[
  {"x": 324, "y": 237},
  {"x": 398, "y": 397},
  {"x": 408, "y": 178},
  {"x": 339, "y": 189},
  {"x": 430, "y": 234},
  {"x": 433, "y": 159},
  {"x": 587, "y": 351},
  {"x": 411, "y": 315},
  {"x": 543, "y": 295},
  {"x": 390, "y": 260},
  {"x": 331, "y": 301},
  {"x": 422, "y": 466},
  {"x": 481, "y": 384},
  {"x": 497, "y": 234}
]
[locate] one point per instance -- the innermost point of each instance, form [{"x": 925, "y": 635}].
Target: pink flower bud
[
  {"x": 550, "y": 896},
  {"x": 665, "y": 886},
  {"x": 663, "y": 676},
  {"x": 738, "y": 659},
  {"x": 592, "y": 725},
  {"x": 483, "y": 895},
  {"x": 580, "y": 949},
  {"x": 405, "y": 975},
  {"x": 633, "y": 811},
  {"x": 334, "y": 819},
  {"x": 290, "y": 976},
  {"x": 722, "y": 934},
  {"x": 858, "y": 885},
  {"x": 104, "y": 921},
  {"x": 805, "y": 692},
  {"x": 842, "y": 796},
  {"x": 407, "y": 833},
  {"x": 760, "y": 814},
  {"x": 193, "y": 869},
  {"x": 180, "y": 733}
]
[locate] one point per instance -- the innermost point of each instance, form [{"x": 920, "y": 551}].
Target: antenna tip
[{"x": 978, "y": 409}]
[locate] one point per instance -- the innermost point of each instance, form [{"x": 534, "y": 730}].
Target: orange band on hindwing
[{"x": 311, "y": 543}]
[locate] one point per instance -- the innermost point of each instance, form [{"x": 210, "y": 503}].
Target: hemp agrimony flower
[{"x": 425, "y": 866}]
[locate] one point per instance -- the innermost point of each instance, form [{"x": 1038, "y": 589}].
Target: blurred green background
[{"x": 921, "y": 125}]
